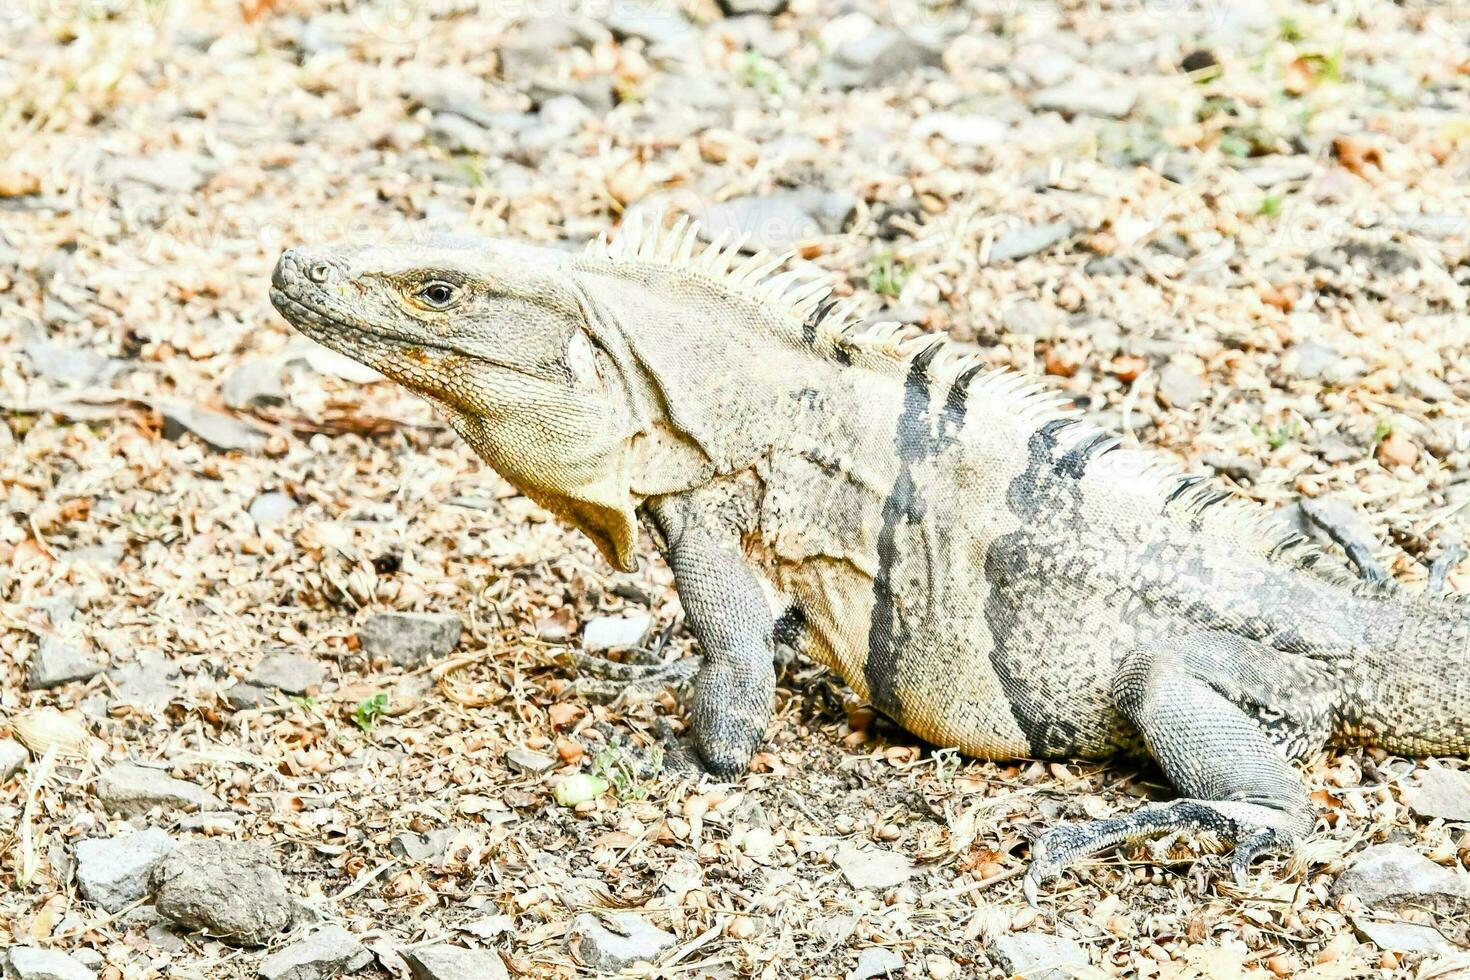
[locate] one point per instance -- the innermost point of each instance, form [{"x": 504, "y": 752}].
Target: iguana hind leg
[{"x": 1222, "y": 716}]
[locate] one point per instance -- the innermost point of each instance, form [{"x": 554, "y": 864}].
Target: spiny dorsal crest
[{"x": 800, "y": 296}]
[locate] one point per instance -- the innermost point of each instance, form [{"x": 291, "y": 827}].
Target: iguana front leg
[
  {"x": 735, "y": 687},
  {"x": 1222, "y": 716}
]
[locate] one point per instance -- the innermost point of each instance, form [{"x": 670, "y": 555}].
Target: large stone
[
  {"x": 1087, "y": 97},
  {"x": 878, "y": 56},
  {"x": 873, "y": 867},
  {"x": 114, "y": 872},
  {"x": 876, "y": 961},
  {"x": 445, "y": 962},
  {"x": 532, "y": 763},
  {"x": 1387, "y": 876},
  {"x": 329, "y": 952},
  {"x": 13, "y": 758},
  {"x": 1038, "y": 957},
  {"x": 289, "y": 672},
  {"x": 218, "y": 431},
  {"x": 57, "y": 662},
  {"x": 150, "y": 681},
  {"x": 270, "y": 509},
  {"x": 1180, "y": 386},
  {"x": 228, "y": 889},
  {"x": 410, "y": 639},
  {"x": 1403, "y": 937},
  {"x": 777, "y": 221},
  {"x": 256, "y": 382},
  {"x": 1022, "y": 242},
  {"x": 30, "y": 963},
  {"x": 615, "y": 632},
  {"x": 1442, "y": 793},
  {"x": 129, "y": 790},
  {"x": 630, "y": 938}
]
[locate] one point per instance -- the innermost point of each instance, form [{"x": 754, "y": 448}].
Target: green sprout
[
  {"x": 369, "y": 710},
  {"x": 887, "y": 275}
]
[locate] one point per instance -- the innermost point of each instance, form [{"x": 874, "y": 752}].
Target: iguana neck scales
[{"x": 974, "y": 557}]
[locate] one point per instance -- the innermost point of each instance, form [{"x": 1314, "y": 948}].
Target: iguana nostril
[{"x": 318, "y": 272}]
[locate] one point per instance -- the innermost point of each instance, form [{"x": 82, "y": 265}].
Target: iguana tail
[{"x": 1413, "y": 698}]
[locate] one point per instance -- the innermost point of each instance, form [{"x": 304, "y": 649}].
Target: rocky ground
[{"x": 284, "y": 675}]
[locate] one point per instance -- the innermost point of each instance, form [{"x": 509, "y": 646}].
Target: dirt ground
[{"x": 1239, "y": 232}]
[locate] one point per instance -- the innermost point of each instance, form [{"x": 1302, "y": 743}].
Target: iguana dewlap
[{"x": 985, "y": 566}]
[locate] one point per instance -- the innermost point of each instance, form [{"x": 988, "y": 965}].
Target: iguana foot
[
  {"x": 1452, "y": 555},
  {"x": 1213, "y": 825},
  {"x": 1340, "y": 523},
  {"x": 600, "y": 679}
]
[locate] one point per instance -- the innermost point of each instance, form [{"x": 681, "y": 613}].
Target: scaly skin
[{"x": 981, "y": 564}]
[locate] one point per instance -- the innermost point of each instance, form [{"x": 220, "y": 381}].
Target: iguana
[{"x": 978, "y": 561}]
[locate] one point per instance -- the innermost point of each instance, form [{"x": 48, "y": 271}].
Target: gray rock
[
  {"x": 629, "y": 938},
  {"x": 89, "y": 958},
  {"x": 256, "y": 383},
  {"x": 526, "y": 761},
  {"x": 218, "y": 431},
  {"x": 739, "y": 8},
  {"x": 114, "y": 872},
  {"x": 270, "y": 509},
  {"x": 245, "y": 696},
  {"x": 410, "y": 639},
  {"x": 13, "y": 758},
  {"x": 1087, "y": 97},
  {"x": 1344, "y": 371},
  {"x": 329, "y": 952},
  {"x": 880, "y": 55},
  {"x": 30, "y": 963},
  {"x": 876, "y": 961},
  {"x": 171, "y": 171},
  {"x": 960, "y": 130},
  {"x": 446, "y": 962},
  {"x": 1403, "y": 937},
  {"x": 289, "y": 672},
  {"x": 615, "y": 632},
  {"x": 67, "y": 365},
  {"x": 57, "y": 662},
  {"x": 1018, "y": 243},
  {"x": 778, "y": 221},
  {"x": 1428, "y": 387},
  {"x": 421, "y": 847},
  {"x": 1313, "y": 359},
  {"x": 1037, "y": 957},
  {"x": 1180, "y": 386},
  {"x": 1029, "y": 318},
  {"x": 1242, "y": 469},
  {"x": 1047, "y": 69},
  {"x": 59, "y": 609},
  {"x": 873, "y": 867},
  {"x": 1382, "y": 257},
  {"x": 150, "y": 681},
  {"x": 228, "y": 889},
  {"x": 658, "y": 24},
  {"x": 1442, "y": 793},
  {"x": 130, "y": 790},
  {"x": 1386, "y": 876}
]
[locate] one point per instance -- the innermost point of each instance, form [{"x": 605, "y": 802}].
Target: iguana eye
[{"x": 438, "y": 294}]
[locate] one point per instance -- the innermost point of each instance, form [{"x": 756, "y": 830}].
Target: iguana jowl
[{"x": 983, "y": 565}]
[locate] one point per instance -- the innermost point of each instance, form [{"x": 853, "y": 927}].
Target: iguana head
[
  {"x": 494, "y": 334},
  {"x": 594, "y": 381}
]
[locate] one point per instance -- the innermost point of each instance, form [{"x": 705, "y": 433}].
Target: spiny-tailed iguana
[{"x": 976, "y": 560}]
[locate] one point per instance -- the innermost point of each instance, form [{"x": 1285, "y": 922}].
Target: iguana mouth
[{"x": 329, "y": 329}]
